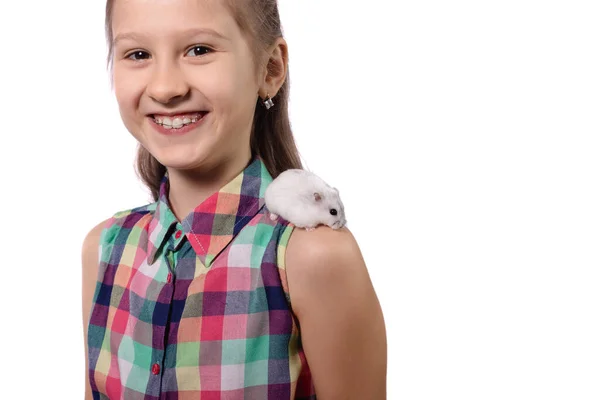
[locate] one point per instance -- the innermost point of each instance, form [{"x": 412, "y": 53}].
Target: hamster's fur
[{"x": 304, "y": 199}]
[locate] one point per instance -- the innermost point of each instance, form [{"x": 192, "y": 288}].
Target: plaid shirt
[{"x": 197, "y": 309}]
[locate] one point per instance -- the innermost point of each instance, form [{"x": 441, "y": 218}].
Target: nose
[{"x": 167, "y": 83}]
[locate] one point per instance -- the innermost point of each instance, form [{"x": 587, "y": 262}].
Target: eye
[
  {"x": 142, "y": 55},
  {"x": 333, "y": 211},
  {"x": 137, "y": 53},
  {"x": 198, "y": 50}
]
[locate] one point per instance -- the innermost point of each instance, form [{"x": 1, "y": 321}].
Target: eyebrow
[{"x": 189, "y": 32}]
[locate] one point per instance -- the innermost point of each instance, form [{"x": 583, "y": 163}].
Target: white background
[{"x": 463, "y": 137}]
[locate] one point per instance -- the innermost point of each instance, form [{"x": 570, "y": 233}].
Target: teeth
[{"x": 177, "y": 122}]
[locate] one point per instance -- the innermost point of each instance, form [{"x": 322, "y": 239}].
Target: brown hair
[{"x": 271, "y": 136}]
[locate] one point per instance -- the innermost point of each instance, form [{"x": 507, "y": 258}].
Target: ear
[
  {"x": 273, "y": 73},
  {"x": 317, "y": 196},
  {"x": 337, "y": 191}
]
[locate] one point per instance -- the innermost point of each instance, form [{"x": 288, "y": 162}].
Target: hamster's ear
[{"x": 317, "y": 196}]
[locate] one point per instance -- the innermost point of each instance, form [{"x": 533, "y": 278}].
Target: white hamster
[{"x": 304, "y": 199}]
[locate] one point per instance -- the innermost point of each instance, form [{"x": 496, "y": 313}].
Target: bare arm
[
  {"x": 342, "y": 325},
  {"x": 89, "y": 260}
]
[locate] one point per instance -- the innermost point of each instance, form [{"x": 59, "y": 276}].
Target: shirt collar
[{"x": 212, "y": 225}]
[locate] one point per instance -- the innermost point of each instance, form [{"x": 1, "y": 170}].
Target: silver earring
[{"x": 269, "y": 102}]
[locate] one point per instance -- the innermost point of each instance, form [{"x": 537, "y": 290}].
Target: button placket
[
  {"x": 170, "y": 258},
  {"x": 178, "y": 238},
  {"x": 178, "y": 233},
  {"x": 170, "y": 264}
]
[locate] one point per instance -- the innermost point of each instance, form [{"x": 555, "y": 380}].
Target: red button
[
  {"x": 177, "y": 234},
  {"x": 169, "y": 277},
  {"x": 155, "y": 369}
]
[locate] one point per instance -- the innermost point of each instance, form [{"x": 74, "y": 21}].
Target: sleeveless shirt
[{"x": 198, "y": 308}]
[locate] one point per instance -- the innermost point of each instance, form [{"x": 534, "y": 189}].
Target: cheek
[
  {"x": 127, "y": 93},
  {"x": 228, "y": 85},
  {"x": 128, "y": 87},
  {"x": 221, "y": 90}
]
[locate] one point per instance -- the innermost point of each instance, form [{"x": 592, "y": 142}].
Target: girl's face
[{"x": 167, "y": 62}]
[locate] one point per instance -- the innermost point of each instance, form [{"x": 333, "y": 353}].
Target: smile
[
  {"x": 177, "y": 125},
  {"x": 177, "y": 121}
]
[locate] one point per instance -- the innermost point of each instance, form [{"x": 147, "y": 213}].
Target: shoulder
[
  {"x": 94, "y": 242},
  {"x": 90, "y": 252},
  {"x": 127, "y": 219},
  {"x": 89, "y": 263},
  {"x": 123, "y": 216},
  {"x": 92, "y": 238},
  {"x": 102, "y": 231},
  {"x": 319, "y": 260},
  {"x": 322, "y": 245},
  {"x": 342, "y": 325}
]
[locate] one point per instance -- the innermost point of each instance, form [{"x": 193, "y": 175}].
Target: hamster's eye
[{"x": 333, "y": 211}]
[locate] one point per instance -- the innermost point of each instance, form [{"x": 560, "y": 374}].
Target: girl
[{"x": 199, "y": 295}]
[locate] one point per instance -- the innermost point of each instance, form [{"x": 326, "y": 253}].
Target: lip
[
  {"x": 174, "y": 113},
  {"x": 176, "y": 132}
]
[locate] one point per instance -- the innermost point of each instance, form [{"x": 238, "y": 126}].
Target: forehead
[{"x": 160, "y": 19}]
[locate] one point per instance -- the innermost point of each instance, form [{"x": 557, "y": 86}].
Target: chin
[{"x": 182, "y": 157}]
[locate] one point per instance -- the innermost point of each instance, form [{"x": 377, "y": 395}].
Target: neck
[{"x": 189, "y": 188}]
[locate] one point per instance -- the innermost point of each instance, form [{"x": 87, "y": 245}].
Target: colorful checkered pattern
[{"x": 198, "y": 308}]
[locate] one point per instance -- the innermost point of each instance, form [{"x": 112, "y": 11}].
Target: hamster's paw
[
  {"x": 273, "y": 216},
  {"x": 310, "y": 228}
]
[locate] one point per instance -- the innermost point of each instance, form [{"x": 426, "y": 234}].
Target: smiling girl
[{"x": 199, "y": 295}]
